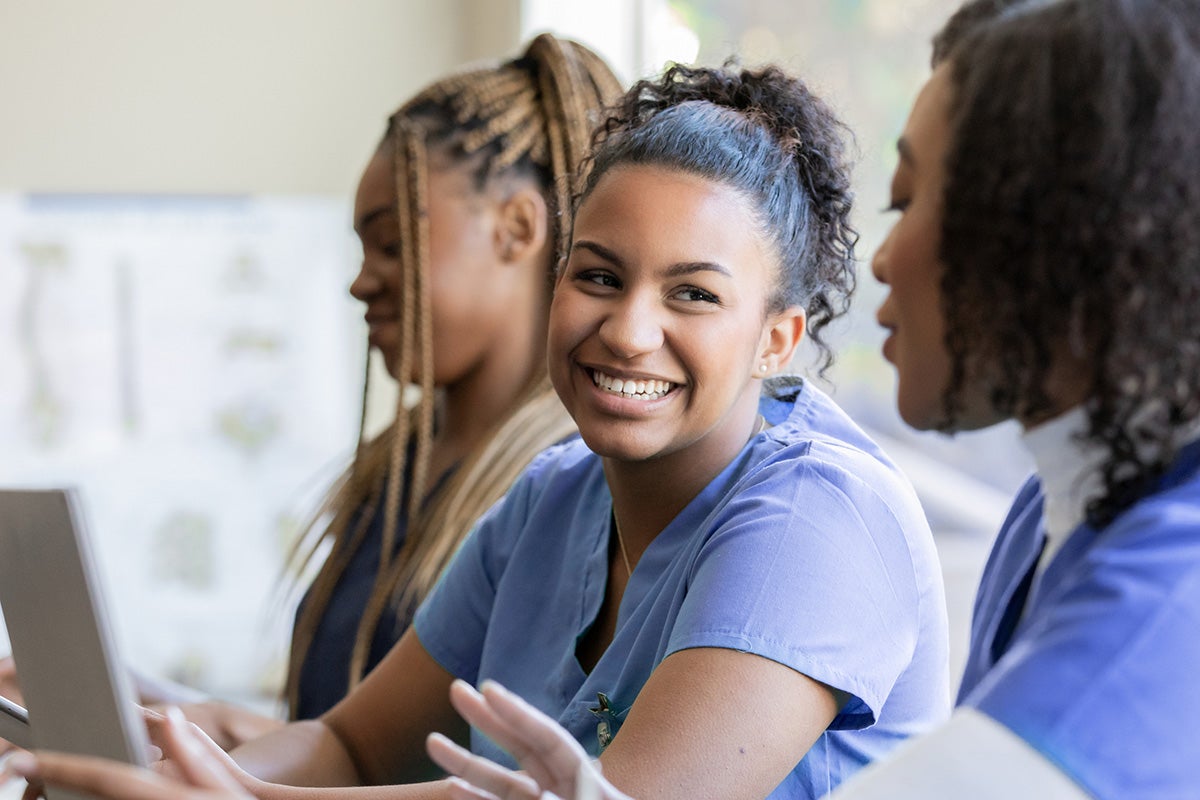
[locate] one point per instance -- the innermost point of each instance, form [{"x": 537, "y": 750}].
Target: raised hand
[{"x": 553, "y": 761}]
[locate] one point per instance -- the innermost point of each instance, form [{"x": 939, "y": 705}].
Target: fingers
[
  {"x": 539, "y": 744},
  {"x": 153, "y": 716},
  {"x": 489, "y": 780},
  {"x": 461, "y": 790},
  {"x": 477, "y": 711},
  {"x": 107, "y": 780},
  {"x": 155, "y": 724},
  {"x": 195, "y": 755},
  {"x": 204, "y": 774},
  {"x": 552, "y": 758}
]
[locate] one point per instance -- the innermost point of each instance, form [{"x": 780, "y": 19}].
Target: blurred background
[{"x": 176, "y": 183}]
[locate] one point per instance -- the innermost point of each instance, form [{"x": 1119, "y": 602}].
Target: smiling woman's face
[{"x": 658, "y": 329}]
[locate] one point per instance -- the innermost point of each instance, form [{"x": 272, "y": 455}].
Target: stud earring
[{"x": 762, "y": 367}]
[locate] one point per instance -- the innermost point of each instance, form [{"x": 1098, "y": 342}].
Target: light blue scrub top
[
  {"x": 809, "y": 549},
  {"x": 1102, "y": 672}
]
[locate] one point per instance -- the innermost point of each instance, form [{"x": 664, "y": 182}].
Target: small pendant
[
  {"x": 603, "y": 734},
  {"x": 604, "y": 728}
]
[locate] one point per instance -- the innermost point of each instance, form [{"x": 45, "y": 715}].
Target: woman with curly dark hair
[
  {"x": 724, "y": 588},
  {"x": 1045, "y": 268}
]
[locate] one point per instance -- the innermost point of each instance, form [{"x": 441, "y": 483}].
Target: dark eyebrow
[
  {"x": 600, "y": 250},
  {"x": 674, "y": 271},
  {"x": 905, "y": 150},
  {"x": 691, "y": 267},
  {"x": 375, "y": 213}
]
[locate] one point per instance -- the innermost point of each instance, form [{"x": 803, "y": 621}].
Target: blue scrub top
[
  {"x": 325, "y": 671},
  {"x": 810, "y": 549},
  {"x": 1100, "y": 672}
]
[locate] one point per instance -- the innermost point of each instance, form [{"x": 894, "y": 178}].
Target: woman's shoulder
[
  {"x": 569, "y": 464},
  {"x": 1173, "y": 508},
  {"x": 812, "y": 436}
]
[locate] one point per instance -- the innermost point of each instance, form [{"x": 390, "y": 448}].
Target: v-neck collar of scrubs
[{"x": 657, "y": 556}]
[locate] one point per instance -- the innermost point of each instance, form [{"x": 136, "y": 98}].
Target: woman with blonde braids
[{"x": 461, "y": 213}]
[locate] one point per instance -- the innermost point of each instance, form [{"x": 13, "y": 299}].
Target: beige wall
[{"x": 226, "y": 96}]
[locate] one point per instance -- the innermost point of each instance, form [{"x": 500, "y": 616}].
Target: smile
[{"x": 632, "y": 389}]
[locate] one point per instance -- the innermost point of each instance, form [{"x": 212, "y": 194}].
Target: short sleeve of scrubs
[{"x": 804, "y": 534}]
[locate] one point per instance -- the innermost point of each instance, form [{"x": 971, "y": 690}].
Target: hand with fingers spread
[
  {"x": 203, "y": 775},
  {"x": 555, "y": 764}
]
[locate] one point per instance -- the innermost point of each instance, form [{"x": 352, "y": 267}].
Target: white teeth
[{"x": 638, "y": 390}]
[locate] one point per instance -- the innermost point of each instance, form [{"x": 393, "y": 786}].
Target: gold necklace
[
  {"x": 621, "y": 544},
  {"x": 762, "y": 426}
]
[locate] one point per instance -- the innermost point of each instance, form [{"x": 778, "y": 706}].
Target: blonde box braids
[{"x": 538, "y": 110}]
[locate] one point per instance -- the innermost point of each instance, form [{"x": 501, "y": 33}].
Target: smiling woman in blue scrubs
[{"x": 724, "y": 587}]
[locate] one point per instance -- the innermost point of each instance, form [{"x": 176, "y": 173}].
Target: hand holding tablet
[{"x": 74, "y": 686}]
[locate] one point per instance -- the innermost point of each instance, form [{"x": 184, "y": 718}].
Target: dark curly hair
[
  {"x": 969, "y": 16},
  {"x": 766, "y": 135},
  {"x": 1072, "y": 222}
]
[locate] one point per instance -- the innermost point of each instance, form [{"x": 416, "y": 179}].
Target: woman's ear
[
  {"x": 523, "y": 225},
  {"x": 782, "y": 334}
]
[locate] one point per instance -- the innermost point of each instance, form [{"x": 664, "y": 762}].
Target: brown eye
[
  {"x": 696, "y": 294},
  {"x": 599, "y": 277}
]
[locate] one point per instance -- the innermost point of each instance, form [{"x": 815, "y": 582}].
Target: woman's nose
[
  {"x": 366, "y": 284},
  {"x": 632, "y": 328},
  {"x": 879, "y": 261}
]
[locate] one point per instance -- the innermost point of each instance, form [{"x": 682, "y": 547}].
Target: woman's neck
[
  {"x": 1069, "y": 468},
  {"x": 475, "y": 403},
  {"x": 647, "y": 495}
]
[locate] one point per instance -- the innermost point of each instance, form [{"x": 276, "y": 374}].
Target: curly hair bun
[{"x": 765, "y": 134}]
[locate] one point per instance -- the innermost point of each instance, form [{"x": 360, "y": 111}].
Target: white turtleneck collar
[{"x": 1069, "y": 469}]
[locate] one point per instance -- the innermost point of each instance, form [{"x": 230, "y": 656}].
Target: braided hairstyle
[
  {"x": 530, "y": 117},
  {"x": 1072, "y": 223},
  {"x": 768, "y": 137}
]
